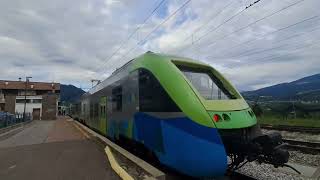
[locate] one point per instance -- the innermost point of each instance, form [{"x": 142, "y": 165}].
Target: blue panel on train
[
  {"x": 148, "y": 131},
  {"x": 195, "y": 129},
  {"x": 123, "y": 127}
]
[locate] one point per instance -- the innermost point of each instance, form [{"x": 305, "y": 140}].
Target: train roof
[
  {"x": 132, "y": 63},
  {"x": 165, "y": 57},
  {"x": 166, "y": 69}
]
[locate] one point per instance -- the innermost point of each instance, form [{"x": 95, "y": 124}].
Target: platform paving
[{"x": 53, "y": 150}]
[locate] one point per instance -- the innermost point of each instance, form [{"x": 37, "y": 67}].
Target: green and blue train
[{"x": 183, "y": 111}]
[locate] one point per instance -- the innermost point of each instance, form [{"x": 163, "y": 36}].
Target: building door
[
  {"x": 103, "y": 115},
  {"x": 36, "y": 114}
]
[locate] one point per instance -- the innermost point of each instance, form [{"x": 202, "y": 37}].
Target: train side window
[
  {"x": 117, "y": 99},
  {"x": 96, "y": 110},
  {"x": 152, "y": 96},
  {"x": 92, "y": 110}
]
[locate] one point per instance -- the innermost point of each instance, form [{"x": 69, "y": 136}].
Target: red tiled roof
[{"x": 31, "y": 85}]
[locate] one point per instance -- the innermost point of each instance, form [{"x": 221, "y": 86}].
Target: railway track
[
  {"x": 303, "y": 146},
  {"x": 312, "y": 130}
]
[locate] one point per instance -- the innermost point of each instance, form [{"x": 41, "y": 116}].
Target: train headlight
[
  {"x": 226, "y": 117},
  {"x": 216, "y": 118}
]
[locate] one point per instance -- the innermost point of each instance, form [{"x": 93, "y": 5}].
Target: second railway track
[
  {"x": 312, "y": 130},
  {"x": 303, "y": 146}
]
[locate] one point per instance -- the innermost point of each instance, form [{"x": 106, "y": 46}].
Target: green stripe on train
[{"x": 181, "y": 90}]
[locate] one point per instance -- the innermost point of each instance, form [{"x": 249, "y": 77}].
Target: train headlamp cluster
[{"x": 217, "y": 117}]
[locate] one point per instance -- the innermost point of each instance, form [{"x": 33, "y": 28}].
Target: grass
[{"x": 289, "y": 122}]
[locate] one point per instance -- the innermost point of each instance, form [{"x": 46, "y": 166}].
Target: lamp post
[{"x": 25, "y": 97}]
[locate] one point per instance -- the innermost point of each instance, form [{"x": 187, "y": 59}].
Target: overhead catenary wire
[
  {"x": 260, "y": 37},
  {"x": 250, "y": 24},
  {"x": 252, "y": 52},
  {"x": 156, "y": 28},
  {"x": 255, "y": 52},
  {"x": 279, "y": 47},
  {"x": 273, "y": 57},
  {"x": 135, "y": 31},
  {"x": 220, "y": 25},
  {"x": 164, "y": 21},
  {"x": 210, "y": 19}
]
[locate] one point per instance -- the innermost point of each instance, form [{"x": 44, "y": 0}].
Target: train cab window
[
  {"x": 152, "y": 96},
  {"x": 117, "y": 99},
  {"x": 209, "y": 86}
]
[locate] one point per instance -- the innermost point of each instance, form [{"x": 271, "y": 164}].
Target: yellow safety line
[
  {"x": 82, "y": 132},
  {"x": 116, "y": 167}
]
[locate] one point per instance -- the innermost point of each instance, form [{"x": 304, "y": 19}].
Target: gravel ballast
[{"x": 266, "y": 171}]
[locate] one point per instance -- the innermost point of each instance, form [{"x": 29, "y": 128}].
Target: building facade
[{"x": 39, "y": 99}]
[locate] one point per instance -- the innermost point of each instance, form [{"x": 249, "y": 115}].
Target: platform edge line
[
  {"x": 82, "y": 131},
  {"x": 116, "y": 167}
]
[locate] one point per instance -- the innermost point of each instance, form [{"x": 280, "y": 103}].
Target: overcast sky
[{"x": 70, "y": 41}]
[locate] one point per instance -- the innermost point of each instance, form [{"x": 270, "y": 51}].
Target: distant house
[{"x": 41, "y": 98}]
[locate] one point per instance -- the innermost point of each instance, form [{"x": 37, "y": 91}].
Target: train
[{"x": 183, "y": 112}]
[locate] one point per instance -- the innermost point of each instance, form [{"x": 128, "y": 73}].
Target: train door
[{"x": 103, "y": 115}]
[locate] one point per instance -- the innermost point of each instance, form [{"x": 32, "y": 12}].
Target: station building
[{"x": 41, "y": 98}]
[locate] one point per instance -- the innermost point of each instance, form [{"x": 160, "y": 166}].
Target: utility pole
[{"x": 25, "y": 97}]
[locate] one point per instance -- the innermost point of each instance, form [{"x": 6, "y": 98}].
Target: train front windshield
[{"x": 210, "y": 87}]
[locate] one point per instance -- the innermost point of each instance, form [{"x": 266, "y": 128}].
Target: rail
[
  {"x": 303, "y": 146},
  {"x": 312, "y": 130}
]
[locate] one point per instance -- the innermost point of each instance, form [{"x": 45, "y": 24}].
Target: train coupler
[
  {"x": 263, "y": 148},
  {"x": 268, "y": 148}
]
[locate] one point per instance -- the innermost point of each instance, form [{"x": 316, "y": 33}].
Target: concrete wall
[
  {"x": 49, "y": 107},
  {"x": 10, "y": 103}
]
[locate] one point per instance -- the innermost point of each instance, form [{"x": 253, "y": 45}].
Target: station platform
[{"x": 52, "y": 150}]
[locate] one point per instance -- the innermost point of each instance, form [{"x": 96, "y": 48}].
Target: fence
[{"x": 8, "y": 119}]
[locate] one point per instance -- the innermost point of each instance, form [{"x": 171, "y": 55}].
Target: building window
[
  {"x": 152, "y": 96},
  {"x": 117, "y": 99},
  {"x": 22, "y": 100},
  {"x": 37, "y": 101}
]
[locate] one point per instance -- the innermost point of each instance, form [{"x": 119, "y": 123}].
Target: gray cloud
[{"x": 70, "y": 42}]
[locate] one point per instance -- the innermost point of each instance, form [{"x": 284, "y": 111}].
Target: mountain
[
  {"x": 70, "y": 93},
  {"x": 307, "y": 88}
]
